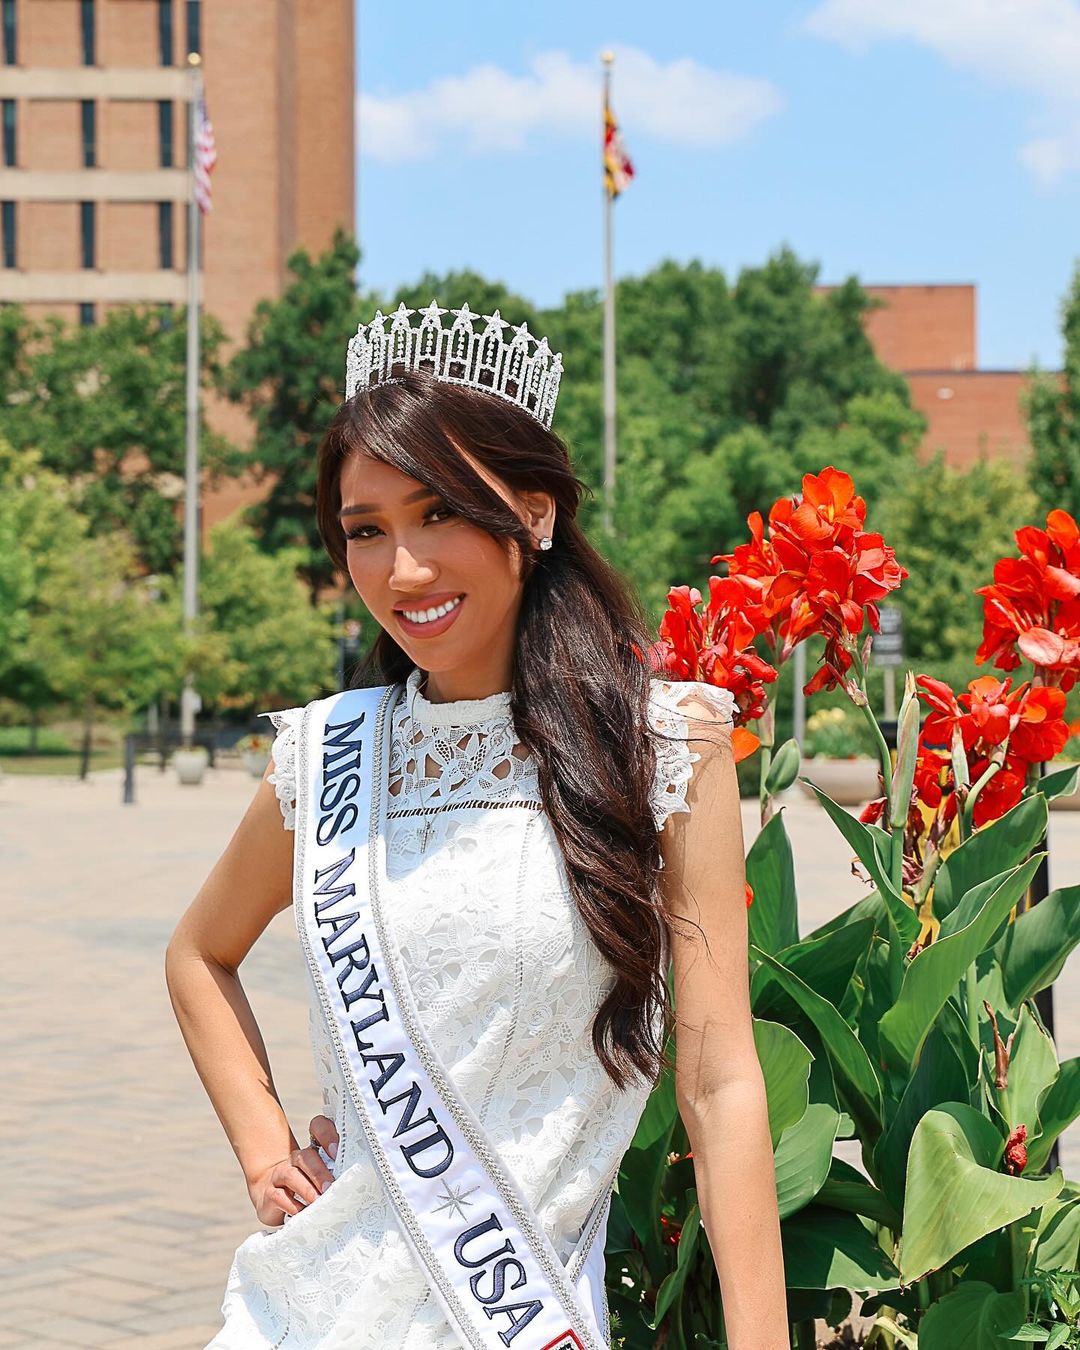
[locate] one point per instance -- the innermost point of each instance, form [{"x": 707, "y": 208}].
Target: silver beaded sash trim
[{"x": 431, "y": 1153}]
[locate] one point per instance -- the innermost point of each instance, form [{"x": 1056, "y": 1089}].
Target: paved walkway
[{"x": 122, "y": 1200}]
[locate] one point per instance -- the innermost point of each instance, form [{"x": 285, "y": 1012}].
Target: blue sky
[{"x": 898, "y": 140}]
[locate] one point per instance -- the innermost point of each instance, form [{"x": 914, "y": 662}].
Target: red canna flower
[
  {"x": 818, "y": 571},
  {"x": 1015, "y": 1155},
  {"x": 933, "y": 782},
  {"x": 982, "y": 714},
  {"x": 713, "y": 642},
  {"x": 682, "y": 635},
  {"x": 1000, "y": 794},
  {"x": 1032, "y": 609},
  {"x": 1014, "y": 729},
  {"x": 1039, "y": 731},
  {"x": 749, "y": 895},
  {"x": 674, "y": 1232},
  {"x": 873, "y": 811}
]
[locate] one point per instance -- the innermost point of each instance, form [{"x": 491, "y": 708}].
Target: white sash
[{"x": 496, "y": 1274}]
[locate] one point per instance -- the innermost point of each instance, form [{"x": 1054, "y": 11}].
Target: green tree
[
  {"x": 726, "y": 396},
  {"x": 289, "y": 377},
  {"x": 947, "y": 526},
  {"x": 261, "y": 644},
  {"x": 1052, "y": 406},
  {"x": 876, "y": 443},
  {"x": 38, "y": 519},
  {"x": 101, "y": 633},
  {"x": 105, "y": 408}
]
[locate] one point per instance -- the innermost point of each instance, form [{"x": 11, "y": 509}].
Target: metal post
[
  {"x": 798, "y": 698},
  {"x": 609, "y": 331},
  {"x": 1044, "y": 999},
  {"x": 189, "y": 699}
]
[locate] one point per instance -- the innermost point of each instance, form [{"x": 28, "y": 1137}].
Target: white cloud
[
  {"x": 1032, "y": 45},
  {"x": 488, "y": 109}
]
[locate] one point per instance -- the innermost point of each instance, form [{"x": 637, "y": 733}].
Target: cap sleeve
[
  {"x": 283, "y": 753},
  {"x": 669, "y": 720}
]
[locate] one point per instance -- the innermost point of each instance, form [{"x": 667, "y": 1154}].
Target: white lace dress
[{"x": 507, "y": 980}]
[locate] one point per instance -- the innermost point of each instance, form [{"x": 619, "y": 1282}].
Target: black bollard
[{"x": 129, "y": 769}]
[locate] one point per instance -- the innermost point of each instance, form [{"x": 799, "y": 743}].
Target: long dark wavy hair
[{"x": 580, "y": 673}]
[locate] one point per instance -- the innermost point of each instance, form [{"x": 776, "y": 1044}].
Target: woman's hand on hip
[{"x": 292, "y": 1184}]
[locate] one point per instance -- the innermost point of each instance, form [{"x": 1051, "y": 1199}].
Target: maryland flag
[{"x": 618, "y": 170}]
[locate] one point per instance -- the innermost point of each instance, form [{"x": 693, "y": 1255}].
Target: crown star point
[
  {"x": 432, "y": 313},
  {"x": 496, "y": 320},
  {"x": 465, "y": 314}
]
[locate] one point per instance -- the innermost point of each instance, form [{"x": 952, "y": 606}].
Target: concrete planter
[
  {"x": 255, "y": 761},
  {"x": 850, "y": 782},
  {"x": 190, "y": 765},
  {"x": 1071, "y": 803}
]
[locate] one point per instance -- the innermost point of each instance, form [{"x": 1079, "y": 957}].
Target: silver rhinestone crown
[{"x": 523, "y": 370}]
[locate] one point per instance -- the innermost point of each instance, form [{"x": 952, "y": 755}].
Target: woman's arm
[
  {"x": 718, "y": 1081},
  {"x": 250, "y": 883}
]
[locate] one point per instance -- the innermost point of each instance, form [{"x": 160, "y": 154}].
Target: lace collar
[{"x": 462, "y": 712}]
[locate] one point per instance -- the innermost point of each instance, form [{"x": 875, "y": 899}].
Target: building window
[
  {"x": 165, "y": 234},
  {"x": 10, "y": 160},
  {"x": 89, "y": 133},
  {"x": 165, "y": 31},
  {"x": 194, "y": 26},
  {"x": 7, "y": 230},
  {"x": 86, "y": 222},
  {"x": 89, "y": 52},
  {"x": 86, "y": 315},
  {"x": 165, "y": 133},
  {"x": 10, "y": 54}
]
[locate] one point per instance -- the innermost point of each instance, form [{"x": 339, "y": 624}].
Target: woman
[{"x": 533, "y": 837}]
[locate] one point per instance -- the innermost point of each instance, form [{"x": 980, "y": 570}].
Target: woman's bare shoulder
[{"x": 249, "y": 884}]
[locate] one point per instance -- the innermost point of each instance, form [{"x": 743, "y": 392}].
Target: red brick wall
[
  {"x": 928, "y": 334},
  {"x": 972, "y": 414},
  {"x": 279, "y": 78}
]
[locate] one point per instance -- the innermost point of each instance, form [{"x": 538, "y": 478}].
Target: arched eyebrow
[{"x": 357, "y": 507}]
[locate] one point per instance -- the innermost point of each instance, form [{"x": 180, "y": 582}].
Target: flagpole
[
  {"x": 189, "y": 699},
  {"x": 609, "y": 331}
]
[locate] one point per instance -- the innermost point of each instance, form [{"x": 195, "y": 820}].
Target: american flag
[
  {"x": 205, "y": 155},
  {"x": 618, "y": 170}
]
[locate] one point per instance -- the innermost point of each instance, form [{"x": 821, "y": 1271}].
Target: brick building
[
  {"x": 928, "y": 334},
  {"x": 93, "y": 174}
]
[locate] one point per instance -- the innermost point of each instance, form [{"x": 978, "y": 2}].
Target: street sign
[{"x": 888, "y": 645}]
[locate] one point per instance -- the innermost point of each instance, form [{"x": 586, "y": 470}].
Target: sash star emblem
[{"x": 455, "y": 1199}]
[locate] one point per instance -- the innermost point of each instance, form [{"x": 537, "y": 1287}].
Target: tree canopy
[
  {"x": 1052, "y": 405},
  {"x": 104, "y": 407}
]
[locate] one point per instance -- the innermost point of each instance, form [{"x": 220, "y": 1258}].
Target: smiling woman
[{"x": 478, "y": 888}]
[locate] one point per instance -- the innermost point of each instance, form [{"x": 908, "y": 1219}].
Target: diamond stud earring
[{"x": 545, "y": 542}]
